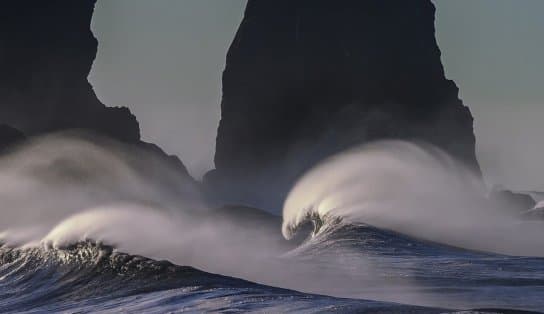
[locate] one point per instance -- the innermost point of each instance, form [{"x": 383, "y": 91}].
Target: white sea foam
[
  {"x": 415, "y": 190},
  {"x": 64, "y": 188},
  {"x": 60, "y": 190}
]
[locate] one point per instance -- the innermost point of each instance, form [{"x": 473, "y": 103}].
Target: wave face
[
  {"x": 408, "y": 219},
  {"x": 87, "y": 277},
  {"x": 84, "y": 227},
  {"x": 385, "y": 265},
  {"x": 414, "y": 190}
]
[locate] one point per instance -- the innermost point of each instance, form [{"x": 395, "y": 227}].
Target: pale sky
[
  {"x": 494, "y": 51},
  {"x": 164, "y": 58}
]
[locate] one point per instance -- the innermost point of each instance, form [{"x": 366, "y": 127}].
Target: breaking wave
[
  {"x": 62, "y": 189},
  {"x": 411, "y": 189},
  {"x": 87, "y": 277},
  {"x": 86, "y": 221}
]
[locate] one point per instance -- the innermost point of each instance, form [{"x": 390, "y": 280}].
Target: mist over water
[
  {"x": 64, "y": 189},
  {"x": 415, "y": 190},
  {"x": 53, "y": 177}
]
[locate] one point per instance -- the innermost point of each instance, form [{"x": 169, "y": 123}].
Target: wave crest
[
  {"x": 318, "y": 222},
  {"x": 416, "y": 190},
  {"x": 385, "y": 174}
]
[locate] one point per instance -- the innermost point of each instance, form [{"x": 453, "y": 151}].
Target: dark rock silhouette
[
  {"x": 47, "y": 51},
  {"x": 9, "y": 137},
  {"x": 536, "y": 213},
  {"x": 305, "y": 79},
  {"x": 516, "y": 201}
]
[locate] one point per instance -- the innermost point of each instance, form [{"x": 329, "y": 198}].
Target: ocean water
[
  {"x": 394, "y": 228},
  {"x": 93, "y": 278},
  {"x": 88, "y": 277}
]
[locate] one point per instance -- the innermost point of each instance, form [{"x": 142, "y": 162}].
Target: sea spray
[
  {"x": 64, "y": 189},
  {"x": 413, "y": 189},
  {"x": 62, "y": 192}
]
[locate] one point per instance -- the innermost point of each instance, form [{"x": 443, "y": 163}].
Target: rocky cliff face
[
  {"x": 47, "y": 50},
  {"x": 307, "y": 78},
  {"x": 514, "y": 201},
  {"x": 46, "y": 53},
  {"x": 9, "y": 137}
]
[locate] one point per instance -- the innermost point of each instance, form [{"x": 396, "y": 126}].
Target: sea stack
[
  {"x": 47, "y": 51},
  {"x": 305, "y": 79},
  {"x": 9, "y": 137}
]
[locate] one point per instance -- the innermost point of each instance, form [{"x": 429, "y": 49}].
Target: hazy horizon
[{"x": 169, "y": 73}]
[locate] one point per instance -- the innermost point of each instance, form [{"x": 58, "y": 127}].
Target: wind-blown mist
[
  {"x": 58, "y": 175},
  {"x": 414, "y": 190},
  {"x": 60, "y": 190},
  {"x": 64, "y": 189}
]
